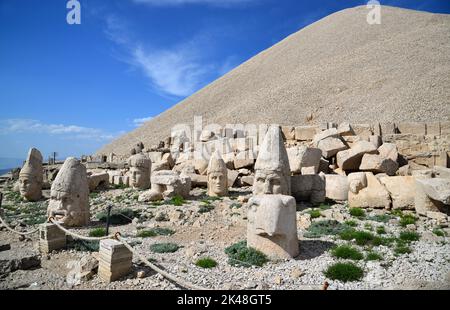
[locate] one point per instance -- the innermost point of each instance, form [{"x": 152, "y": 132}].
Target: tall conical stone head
[
  {"x": 69, "y": 201},
  {"x": 272, "y": 172},
  {"x": 30, "y": 176},
  {"x": 217, "y": 176},
  {"x": 140, "y": 170}
]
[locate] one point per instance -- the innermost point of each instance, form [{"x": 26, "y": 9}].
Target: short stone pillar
[
  {"x": 51, "y": 238},
  {"x": 115, "y": 260}
]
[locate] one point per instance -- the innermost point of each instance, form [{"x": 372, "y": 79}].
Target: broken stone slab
[
  {"x": 376, "y": 140},
  {"x": 288, "y": 132},
  {"x": 243, "y": 160},
  {"x": 344, "y": 129},
  {"x": 357, "y": 181},
  {"x": 331, "y": 146},
  {"x": 402, "y": 190},
  {"x": 247, "y": 180},
  {"x": 336, "y": 187},
  {"x": 332, "y": 132},
  {"x": 439, "y": 216},
  {"x": 432, "y": 195},
  {"x": 377, "y": 164},
  {"x": 18, "y": 259},
  {"x": 303, "y": 156},
  {"x": 441, "y": 172},
  {"x": 98, "y": 180},
  {"x": 351, "y": 159},
  {"x": 375, "y": 195},
  {"x": 388, "y": 150},
  {"x": 232, "y": 177}
]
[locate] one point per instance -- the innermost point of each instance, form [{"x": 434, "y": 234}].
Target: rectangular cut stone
[
  {"x": 363, "y": 130},
  {"x": 387, "y": 129},
  {"x": 434, "y": 129},
  {"x": 306, "y": 133},
  {"x": 115, "y": 260},
  {"x": 51, "y": 238},
  {"x": 288, "y": 132},
  {"x": 412, "y": 128},
  {"x": 445, "y": 128}
]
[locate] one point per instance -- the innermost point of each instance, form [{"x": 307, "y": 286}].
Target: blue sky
[{"x": 72, "y": 88}]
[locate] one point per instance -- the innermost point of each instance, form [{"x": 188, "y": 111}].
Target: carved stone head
[
  {"x": 272, "y": 226},
  {"x": 140, "y": 171},
  {"x": 31, "y": 176},
  {"x": 217, "y": 176},
  {"x": 69, "y": 200},
  {"x": 272, "y": 171}
]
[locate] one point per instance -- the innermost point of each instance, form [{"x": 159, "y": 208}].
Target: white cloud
[
  {"x": 218, "y": 3},
  {"x": 178, "y": 72},
  {"x": 140, "y": 121},
  {"x": 17, "y": 126}
]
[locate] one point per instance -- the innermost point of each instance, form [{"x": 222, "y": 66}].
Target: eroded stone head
[
  {"x": 272, "y": 226},
  {"x": 69, "y": 201},
  {"x": 217, "y": 176},
  {"x": 272, "y": 171},
  {"x": 31, "y": 176},
  {"x": 140, "y": 169}
]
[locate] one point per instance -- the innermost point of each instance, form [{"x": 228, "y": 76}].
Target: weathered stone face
[
  {"x": 31, "y": 176},
  {"x": 140, "y": 171},
  {"x": 217, "y": 176},
  {"x": 272, "y": 226},
  {"x": 272, "y": 172},
  {"x": 69, "y": 198}
]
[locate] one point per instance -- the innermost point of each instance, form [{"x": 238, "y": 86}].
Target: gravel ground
[
  {"x": 337, "y": 69},
  {"x": 208, "y": 234}
]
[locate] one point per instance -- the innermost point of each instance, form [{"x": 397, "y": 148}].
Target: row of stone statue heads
[{"x": 272, "y": 211}]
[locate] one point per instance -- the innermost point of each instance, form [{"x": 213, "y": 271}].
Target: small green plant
[
  {"x": 235, "y": 206},
  {"x": 315, "y": 213},
  {"x": 402, "y": 248},
  {"x": 93, "y": 195},
  {"x": 360, "y": 237},
  {"x": 164, "y": 247},
  {"x": 373, "y": 256},
  {"x": 344, "y": 272},
  {"x": 146, "y": 234},
  {"x": 241, "y": 255},
  {"x": 439, "y": 232},
  {"x": 351, "y": 223},
  {"x": 357, "y": 212},
  {"x": 409, "y": 236},
  {"x": 118, "y": 216},
  {"x": 382, "y": 218},
  {"x": 407, "y": 219},
  {"x": 346, "y": 252},
  {"x": 119, "y": 186},
  {"x": 97, "y": 232},
  {"x": 206, "y": 262},
  {"x": 324, "y": 206},
  {"x": 208, "y": 199},
  {"x": 177, "y": 201},
  {"x": 205, "y": 208},
  {"x": 368, "y": 226},
  {"x": 381, "y": 230},
  {"x": 323, "y": 228},
  {"x": 85, "y": 246}
]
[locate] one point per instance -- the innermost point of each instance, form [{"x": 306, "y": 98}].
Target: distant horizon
[{"x": 74, "y": 88}]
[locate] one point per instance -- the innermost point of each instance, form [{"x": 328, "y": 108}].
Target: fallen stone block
[
  {"x": 351, "y": 159},
  {"x": 232, "y": 177},
  {"x": 308, "y": 188},
  {"x": 412, "y": 128},
  {"x": 375, "y": 195},
  {"x": 402, "y": 190},
  {"x": 98, "y": 180},
  {"x": 23, "y": 259},
  {"x": 432, "y": 195},
  {"x": 336, "y": 187},
  {"x": 305, "y": 133},
  {"x": 303, "y": 156},
  {"x": 331, "y": 146},
  {"x": 377, "y": 164},
  {"x": 344, "y": 129},
  {"x": 288, "y": 132},
  {"x": 332, "y": 132},
  {"x": 357, "y": 181}
]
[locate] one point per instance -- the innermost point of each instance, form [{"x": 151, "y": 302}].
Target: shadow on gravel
[{"x": 312, "y": 248}]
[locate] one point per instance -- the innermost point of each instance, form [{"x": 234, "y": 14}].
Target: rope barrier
[
  {"x": 9, "y": 227},
  {"x": 157, "y": 269},
  {"x": 51, "y": 219},
  {"x": 17, "y": 232}
]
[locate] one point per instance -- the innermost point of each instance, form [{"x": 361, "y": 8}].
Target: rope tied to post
[
  {"x": 78, "y": 236},
  {"x": 159, "y": 270},
  {"x": 6, "y": 225}
]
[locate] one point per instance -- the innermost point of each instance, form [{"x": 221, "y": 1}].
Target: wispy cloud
[
  {"x": 140, "y": 121},
  {"x": 17, "y": 126},
  {"x": 178, "y": 70},
  {"x": 217, "y": 3}
]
